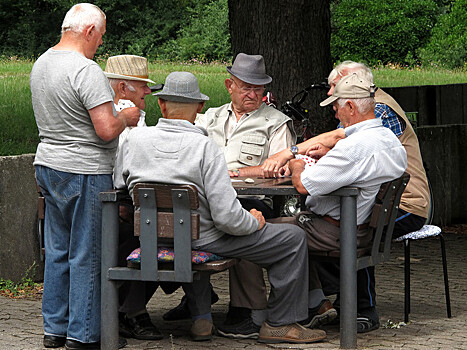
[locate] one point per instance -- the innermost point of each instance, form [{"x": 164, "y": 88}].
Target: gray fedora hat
[
  {"x": 181, "y": 87},
  {"x": 250, "y": 69}
]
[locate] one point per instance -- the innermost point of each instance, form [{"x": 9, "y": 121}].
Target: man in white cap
[
  {"x": 183, "y": 154},
  {"x": 247, "y": 131},
  {"x": 129, "y": 77},
  {"x": 368, "y": 156}
]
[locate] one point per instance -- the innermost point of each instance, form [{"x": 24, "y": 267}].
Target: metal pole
[
  {"x": 109, "y": 289},
  {"x": 348, "y": 273}
]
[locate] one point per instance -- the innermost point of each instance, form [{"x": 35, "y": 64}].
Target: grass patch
[
  {"x": 25, "y": 289},
  {"x": 18, "y": 131}
]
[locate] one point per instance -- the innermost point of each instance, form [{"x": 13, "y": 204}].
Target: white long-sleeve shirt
[{"x": 369, "y": 156}]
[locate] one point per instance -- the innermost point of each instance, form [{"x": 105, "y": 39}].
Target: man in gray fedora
[
  {"x": 248, "y": 132},
  {"x": 182, "y": 153}
]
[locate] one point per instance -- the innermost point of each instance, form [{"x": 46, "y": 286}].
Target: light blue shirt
[{"x": 369, "y": 156}]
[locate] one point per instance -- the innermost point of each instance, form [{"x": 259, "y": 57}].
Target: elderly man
[
  {"x": 369, "y": 155},
  {"x": 129, "y": 77},
  {"x": 414, "y": 205},
  {"x": 247, "y": 131},
  {"x": 78, "y": 128},
  {"x": 183, "y": 153}
]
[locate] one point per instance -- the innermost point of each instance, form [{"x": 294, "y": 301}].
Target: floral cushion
[
  {"x": 425, "y": 232},
  {"x": 167, "y": 255}
]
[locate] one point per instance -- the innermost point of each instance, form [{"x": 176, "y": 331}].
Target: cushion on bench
[{"x": 167, "y": 255}]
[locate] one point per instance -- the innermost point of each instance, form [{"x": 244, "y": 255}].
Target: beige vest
[
  {"x": 415, "y": 198},
  {"x": 249, "y": 143}
]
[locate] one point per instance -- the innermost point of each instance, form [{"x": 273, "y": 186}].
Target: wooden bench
[{"x": 164, "y": 214}]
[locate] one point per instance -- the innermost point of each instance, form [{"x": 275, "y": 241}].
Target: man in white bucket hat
[{"x": 181, "y": 153}]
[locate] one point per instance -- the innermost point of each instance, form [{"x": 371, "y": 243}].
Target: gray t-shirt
[{"x": 64, "y": 86}]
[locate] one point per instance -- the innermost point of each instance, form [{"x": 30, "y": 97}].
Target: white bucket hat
[
  {"x": 181, "y": 87},
  {"x": 128, "y": 67}
]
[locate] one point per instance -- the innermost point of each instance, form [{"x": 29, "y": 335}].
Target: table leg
[
  {"x": 348, "y": 273},
  {"x": 109, "y": 289}
]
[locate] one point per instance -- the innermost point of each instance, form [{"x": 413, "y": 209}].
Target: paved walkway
[{"x": 21, "y": 321}]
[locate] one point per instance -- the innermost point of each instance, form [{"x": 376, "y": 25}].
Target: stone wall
[{"x": 19, "y": 243}]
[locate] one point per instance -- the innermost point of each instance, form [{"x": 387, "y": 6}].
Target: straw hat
[
  {"x": 128, "y": 67},
  {"x": 181, "y": 87}
]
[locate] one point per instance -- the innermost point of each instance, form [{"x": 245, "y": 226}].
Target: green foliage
[
  {"x": 381, "y": 31},
  {"x": 23, "y": 288},
  {"x": 448, "y": 44},
  {"x": 206, "y": 37}
]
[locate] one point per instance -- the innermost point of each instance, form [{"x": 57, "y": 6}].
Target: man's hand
[
  {"x": 271, "y": 166},
  {"x": 317, "y": 151},
  {"x": 258, "y": 216},
  {"x": 296, "y": 167},
  {"x": 234, "y": 173},
  {"x": 130, "y": 116}
]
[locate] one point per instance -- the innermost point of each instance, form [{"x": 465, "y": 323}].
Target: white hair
[
  {"x": 128, "y": 84},
  {"x": 364, "y": 105},
  {"x": 82, "y": 15},
  {"x": 347, "y": 67}
]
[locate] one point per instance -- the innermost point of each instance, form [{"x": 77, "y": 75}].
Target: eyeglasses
[{"x": 246, "y": 90}]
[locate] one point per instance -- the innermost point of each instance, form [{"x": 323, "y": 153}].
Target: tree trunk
[{"x": 294, "y": 38}]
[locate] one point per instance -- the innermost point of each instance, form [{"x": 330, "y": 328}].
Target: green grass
[{"x": 18, "y": 131}]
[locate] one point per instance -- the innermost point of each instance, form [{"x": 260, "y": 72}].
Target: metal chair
[{"x": 426, "y": 231}]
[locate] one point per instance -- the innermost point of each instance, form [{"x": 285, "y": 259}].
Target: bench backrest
[
  {"x": 382, "y": 220},
  {"x": 167, "y": 210}
]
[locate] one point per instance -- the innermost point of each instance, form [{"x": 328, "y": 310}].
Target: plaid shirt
[{"x": 389, "y": 119}]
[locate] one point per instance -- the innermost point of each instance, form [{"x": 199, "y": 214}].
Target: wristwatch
[{"x": 294, "y": 150}]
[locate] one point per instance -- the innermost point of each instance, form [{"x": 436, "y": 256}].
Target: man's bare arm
[
  {"x": 106, "y": 125},
  {"x": 296, "y": 167},
  {"x": 328, "y": 139}
]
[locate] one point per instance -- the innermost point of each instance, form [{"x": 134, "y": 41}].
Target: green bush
[
  {"x": 206, "y": 36},
  {"x": 381, "y": 31},
  {"x": 448, "y": 44}
]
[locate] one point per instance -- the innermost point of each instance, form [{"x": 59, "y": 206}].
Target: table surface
[{"x": 271, "y": 186}]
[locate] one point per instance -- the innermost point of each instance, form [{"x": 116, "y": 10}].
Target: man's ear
[
  {"x": 200, "y": 107},
  {"x": 228, "y": 84},
  {"x": 162, "y": 106},
  {"x": 88, "y": 31}
]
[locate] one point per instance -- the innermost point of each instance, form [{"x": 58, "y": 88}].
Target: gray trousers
[
  {"x": 320, "y": 236},
  {"x": 282, "y": 250}
]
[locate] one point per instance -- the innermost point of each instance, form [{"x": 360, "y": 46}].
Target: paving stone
[{"x": 429, "y": 328}]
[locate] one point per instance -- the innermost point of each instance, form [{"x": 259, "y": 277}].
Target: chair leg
[
  {"x": 445, "y": 271},
  {"x": 407, "y": 279}
]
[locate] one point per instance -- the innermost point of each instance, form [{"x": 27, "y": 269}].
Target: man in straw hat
[
  {"x": 78, "y": 128},
  {"x": 183, "y": 154},
  {"x": 128, "y": 75},
  {"x": 247, "y": 131}
]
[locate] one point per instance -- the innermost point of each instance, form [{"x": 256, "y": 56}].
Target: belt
[{"x": 338, "y": 223}]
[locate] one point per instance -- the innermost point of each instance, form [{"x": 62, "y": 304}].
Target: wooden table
[{"x": 348, "y": 235}]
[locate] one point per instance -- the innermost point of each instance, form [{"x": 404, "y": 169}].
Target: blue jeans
[{"x": 73, "y": 223}]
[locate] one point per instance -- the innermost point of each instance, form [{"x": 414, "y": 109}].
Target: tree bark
[{"x": 294, "y": 38}]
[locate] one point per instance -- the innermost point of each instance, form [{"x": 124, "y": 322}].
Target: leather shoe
[
  {"x": 54, "y": 341},
  {"x": 182, "y": 312},
  {"x": 139, "y": 327},
  {"x": 323, "y": 314},
  {"x": 202, "y": 330},
  {"x": 71, "y": 344}
]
